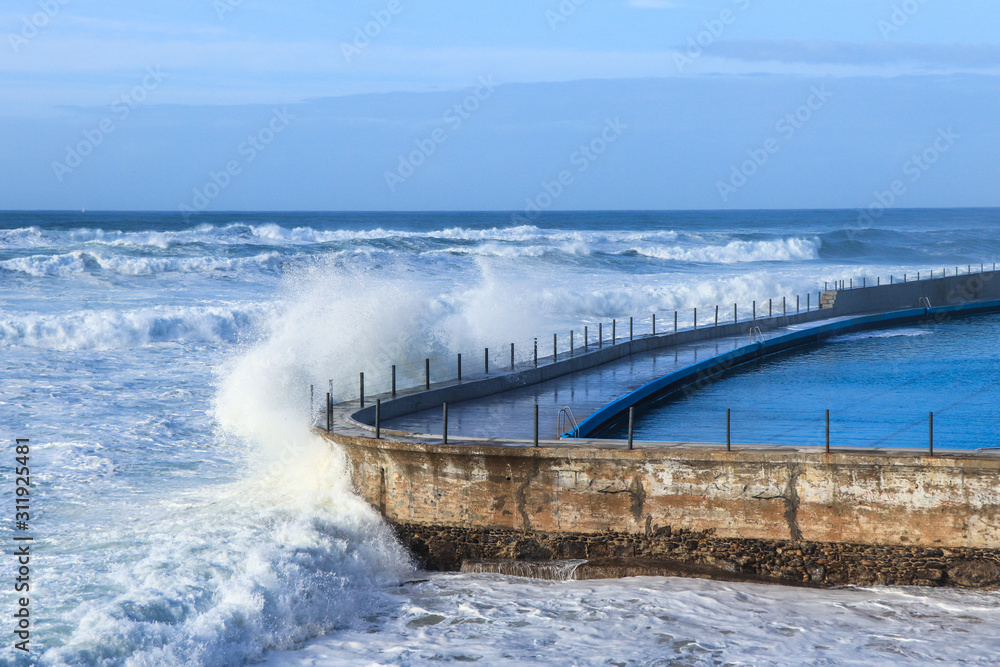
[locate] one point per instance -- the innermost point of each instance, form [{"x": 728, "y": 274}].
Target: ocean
[{"x": 183, "y": 514}]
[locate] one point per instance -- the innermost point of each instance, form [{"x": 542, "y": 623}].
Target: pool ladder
[
  {"x": 567, "y": 418},
  {"x": 925, "y": 300},
  {"x": 756, "y": 335}
]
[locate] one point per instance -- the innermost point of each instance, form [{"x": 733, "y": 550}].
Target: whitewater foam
[
  {"x": 77, "y": 262},
  {"x": 785, "y": 250},
  {"x": 658, "y": 621},
  {"x": 111, "y": 329}
]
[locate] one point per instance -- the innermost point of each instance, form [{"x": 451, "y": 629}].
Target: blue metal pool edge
[{"x": 672, "y": 382}]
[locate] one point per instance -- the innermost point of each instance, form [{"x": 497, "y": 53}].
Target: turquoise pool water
[{"x": 879, "y": 387}]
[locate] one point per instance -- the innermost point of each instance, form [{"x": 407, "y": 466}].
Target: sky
[{"x": 210, "y": 105}]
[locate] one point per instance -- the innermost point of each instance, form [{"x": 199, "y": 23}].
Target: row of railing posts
[
  {"x": 631, "y": 422},
  {"x": 631, "y": 427},
  {"x": 555, "y": 349},
  {"x": 849, "y": 284}
]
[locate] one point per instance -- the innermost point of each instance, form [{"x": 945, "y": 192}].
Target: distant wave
[
  {"x": 783, "y": 250},
  {"x": 109, "y": 329},
  {"x": 501, "y": 250},
  {"x": 274, "y": 234},
  {"x": 76, "y": 262}
]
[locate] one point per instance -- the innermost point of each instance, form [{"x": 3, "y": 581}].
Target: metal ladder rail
[{"x": 567, "y": 418}]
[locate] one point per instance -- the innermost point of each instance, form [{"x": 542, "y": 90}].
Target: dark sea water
[{"x": 183, "y": 513}]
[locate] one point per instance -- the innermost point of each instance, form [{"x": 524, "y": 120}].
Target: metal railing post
[
  {"x": 729, "y": 430},
  {"x": 930, "y": 433},
  {"x": 827, "y": 431},
  {"x": 536, "y": 424},
  {"x": 329, "y": 413},
  {"x": 631, "y": 425}
]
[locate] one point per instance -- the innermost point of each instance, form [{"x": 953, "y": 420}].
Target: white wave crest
[
  {"x": 515, "y": 251},
  {"x": 77, "y": 262},
  {"x": 734, "y": 252},
  {"x": 47, "y": 265},
  {"x": 110, "y": 329},
  {"x": 276, "y": 235}
]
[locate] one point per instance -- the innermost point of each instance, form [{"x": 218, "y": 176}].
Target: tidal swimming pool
[{"x": 879, "y": 386}]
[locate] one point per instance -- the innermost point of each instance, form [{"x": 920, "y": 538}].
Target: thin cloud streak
[{"x": 872, "y": 53}]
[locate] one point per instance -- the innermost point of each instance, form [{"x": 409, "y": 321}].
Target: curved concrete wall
[{"x": 769, "y": 494}]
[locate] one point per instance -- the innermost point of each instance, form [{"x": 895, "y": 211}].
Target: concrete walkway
[{"x": 510, "y": 414}]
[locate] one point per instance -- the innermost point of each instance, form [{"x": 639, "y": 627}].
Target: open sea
[{"x": 183, "y": 514}]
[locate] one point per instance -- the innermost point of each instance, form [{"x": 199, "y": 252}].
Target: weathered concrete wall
[
  {"x": 948, "y": 291},
  {"x": 846, "y": 497},
  {"x": 787, "y": 516}
]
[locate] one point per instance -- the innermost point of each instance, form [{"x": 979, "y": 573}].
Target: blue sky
[{"x": 164, "y": 96}]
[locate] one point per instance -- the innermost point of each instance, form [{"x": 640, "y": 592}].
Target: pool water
[{"x": 879, "y": 386}]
